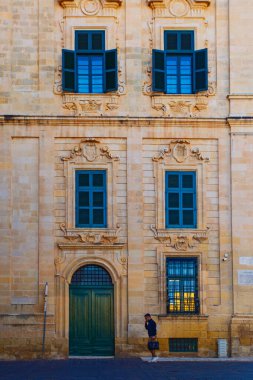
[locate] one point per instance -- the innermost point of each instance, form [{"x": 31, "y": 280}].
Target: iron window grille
[
  {"x": 179, "y": 69},
  {"x": 89, "y": 68},
  {"x": 183, "y": 344},
  {"x": 182, "y": 285},
  {"x": 91, "y": 275}
]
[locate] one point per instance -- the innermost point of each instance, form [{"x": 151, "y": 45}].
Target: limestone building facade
[{"x": 126, "y": 133}]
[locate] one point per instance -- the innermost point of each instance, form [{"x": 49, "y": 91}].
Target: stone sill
[{"x": 201, "y": 317}]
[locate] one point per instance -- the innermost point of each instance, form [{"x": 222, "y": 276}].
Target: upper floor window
[
  {"x": 89, "y": 69},
  {"x": 182, "y": 285},
  {"x": 91, "y": 199},
  {"x": 179, "y": 69},
  {"x": 180, "y": 199}
]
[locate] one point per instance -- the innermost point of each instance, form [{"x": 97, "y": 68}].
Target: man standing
[{"x": 150, "y": 325}]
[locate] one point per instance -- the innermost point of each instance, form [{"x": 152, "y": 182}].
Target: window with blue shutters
[
  {"x": 89, "y": 69},
  {"x": 179, "y": 69},
  {"x": 91, "y": 199},
  {"x": 182, "y": 285},
  {"x": 180, "y": 200}
]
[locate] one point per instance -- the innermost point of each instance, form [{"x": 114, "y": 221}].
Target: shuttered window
[
  {"x": 91, "y": 198},
  {"x": 179, "y": 69},
  {"x": 180, "y": 200},
  {"x": 89, "y": 68}
]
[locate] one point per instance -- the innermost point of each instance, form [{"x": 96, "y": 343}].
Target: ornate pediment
[
  {"x": 89, "y": 150},
  {"x": 180, "y": 151},
  {"x": 180, "y": 241},
  {"x": 90, "y": 6},
  {"x": 177, "y": 3}
]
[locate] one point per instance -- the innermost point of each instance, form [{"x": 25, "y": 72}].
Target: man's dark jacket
[{"x": 151, "y": 327}]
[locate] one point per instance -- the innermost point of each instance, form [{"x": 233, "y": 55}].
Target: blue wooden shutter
[
  {"x": 200, "y": 70},
  {"x": 188, "y": 200},
  {"x": 68, "y": 70},
  {"x": 91, "y": 199},
  {"x": 158, "y": 70},
  {"x": 111, "y": 70}
]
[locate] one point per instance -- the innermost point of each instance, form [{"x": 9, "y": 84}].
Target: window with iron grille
[
  {"x": 179, "y": 69},
  {"x": 183, "y": 344},
  {"x": 91, "y": 275},
  {"x": 91, "y": 198},
  {"x": 180, "y": 200},
  {"x": 89, "y": 68},
  {"x": 182, "y": 285}
]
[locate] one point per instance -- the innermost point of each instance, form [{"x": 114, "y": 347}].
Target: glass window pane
[
  {"x": 83, "y": 179},
  {"x": 173, "y": 200},
  {"x": 84, "y": 217},
  {"x": 98, "y": 180},
  {"x": 83, "y": 89},
  {"x": 98, "y": 216},
  {"x": 83, "y": 199},
  {"x": 173, "y": 180},
  {"x": 186, "y": 89},
  {"x": 185, "y": 60},
  {"x": 187, "y": 181},
  {"x": 174, "y": 217},
  {"x": 97, "y": 89},
  {"x": 171, "y": 61},
  {"x": 185, "y": 80},
  {"x": 187, "y": 200},
  {"x": 188, "y": 217},
  {"x": 172, "y": 89},
  {"x": 171, "y": 80},
  {"x": 98, "y": 199}
]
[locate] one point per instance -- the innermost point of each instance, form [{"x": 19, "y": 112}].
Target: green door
[{"x": 91, "y": 320}]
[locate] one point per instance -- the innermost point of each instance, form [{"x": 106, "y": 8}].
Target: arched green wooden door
[{"x": 91, "y": 312}]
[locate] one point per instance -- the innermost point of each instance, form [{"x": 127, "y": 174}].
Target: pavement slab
[{"x": 125, "y": 369}]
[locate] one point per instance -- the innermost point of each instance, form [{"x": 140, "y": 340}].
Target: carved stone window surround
[
  {"x": 91, "y": 104},
  {"x": 162, "y": 254},
  {"x": 169, "y": 158},
  {"x": 183, "y": 105},
  {"x": 90, "y": 154}
]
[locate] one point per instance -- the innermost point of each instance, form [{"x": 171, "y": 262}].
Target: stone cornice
[
  {"x": 75, "y": 3},
  {"x": 77, "y": 246},
  {"x": 162, "y": 3}
]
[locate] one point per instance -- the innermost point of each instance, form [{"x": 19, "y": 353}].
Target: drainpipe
[{"x": 45, "y": 317}]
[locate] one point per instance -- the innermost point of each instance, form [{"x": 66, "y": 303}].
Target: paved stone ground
[{"x": 125, "y": 369}]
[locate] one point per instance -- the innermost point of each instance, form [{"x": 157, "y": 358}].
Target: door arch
[{"x": 91, "y": 312}]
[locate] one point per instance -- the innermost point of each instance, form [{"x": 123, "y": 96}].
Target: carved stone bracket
[
  {"x": 91, "y": 238},
  {"x": 180, "y": 150},
  {"x": 180, "y": 241},
  {"x": 88, "y": 149}
]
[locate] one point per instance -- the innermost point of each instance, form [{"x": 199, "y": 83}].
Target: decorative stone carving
[
  {"x": 90, "y": 7},
  {"x": 180, "y": 151},
  {"x": 179, "y": 8},
  {"x": 90, "y": 105},
  {"x": 180, "y": 241},
  {"x": 89, "y": 150},
  {"x": 122, "y": 259},
  {"x": 91, "y": 238},
  {"x": 168, "y": 105}
]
